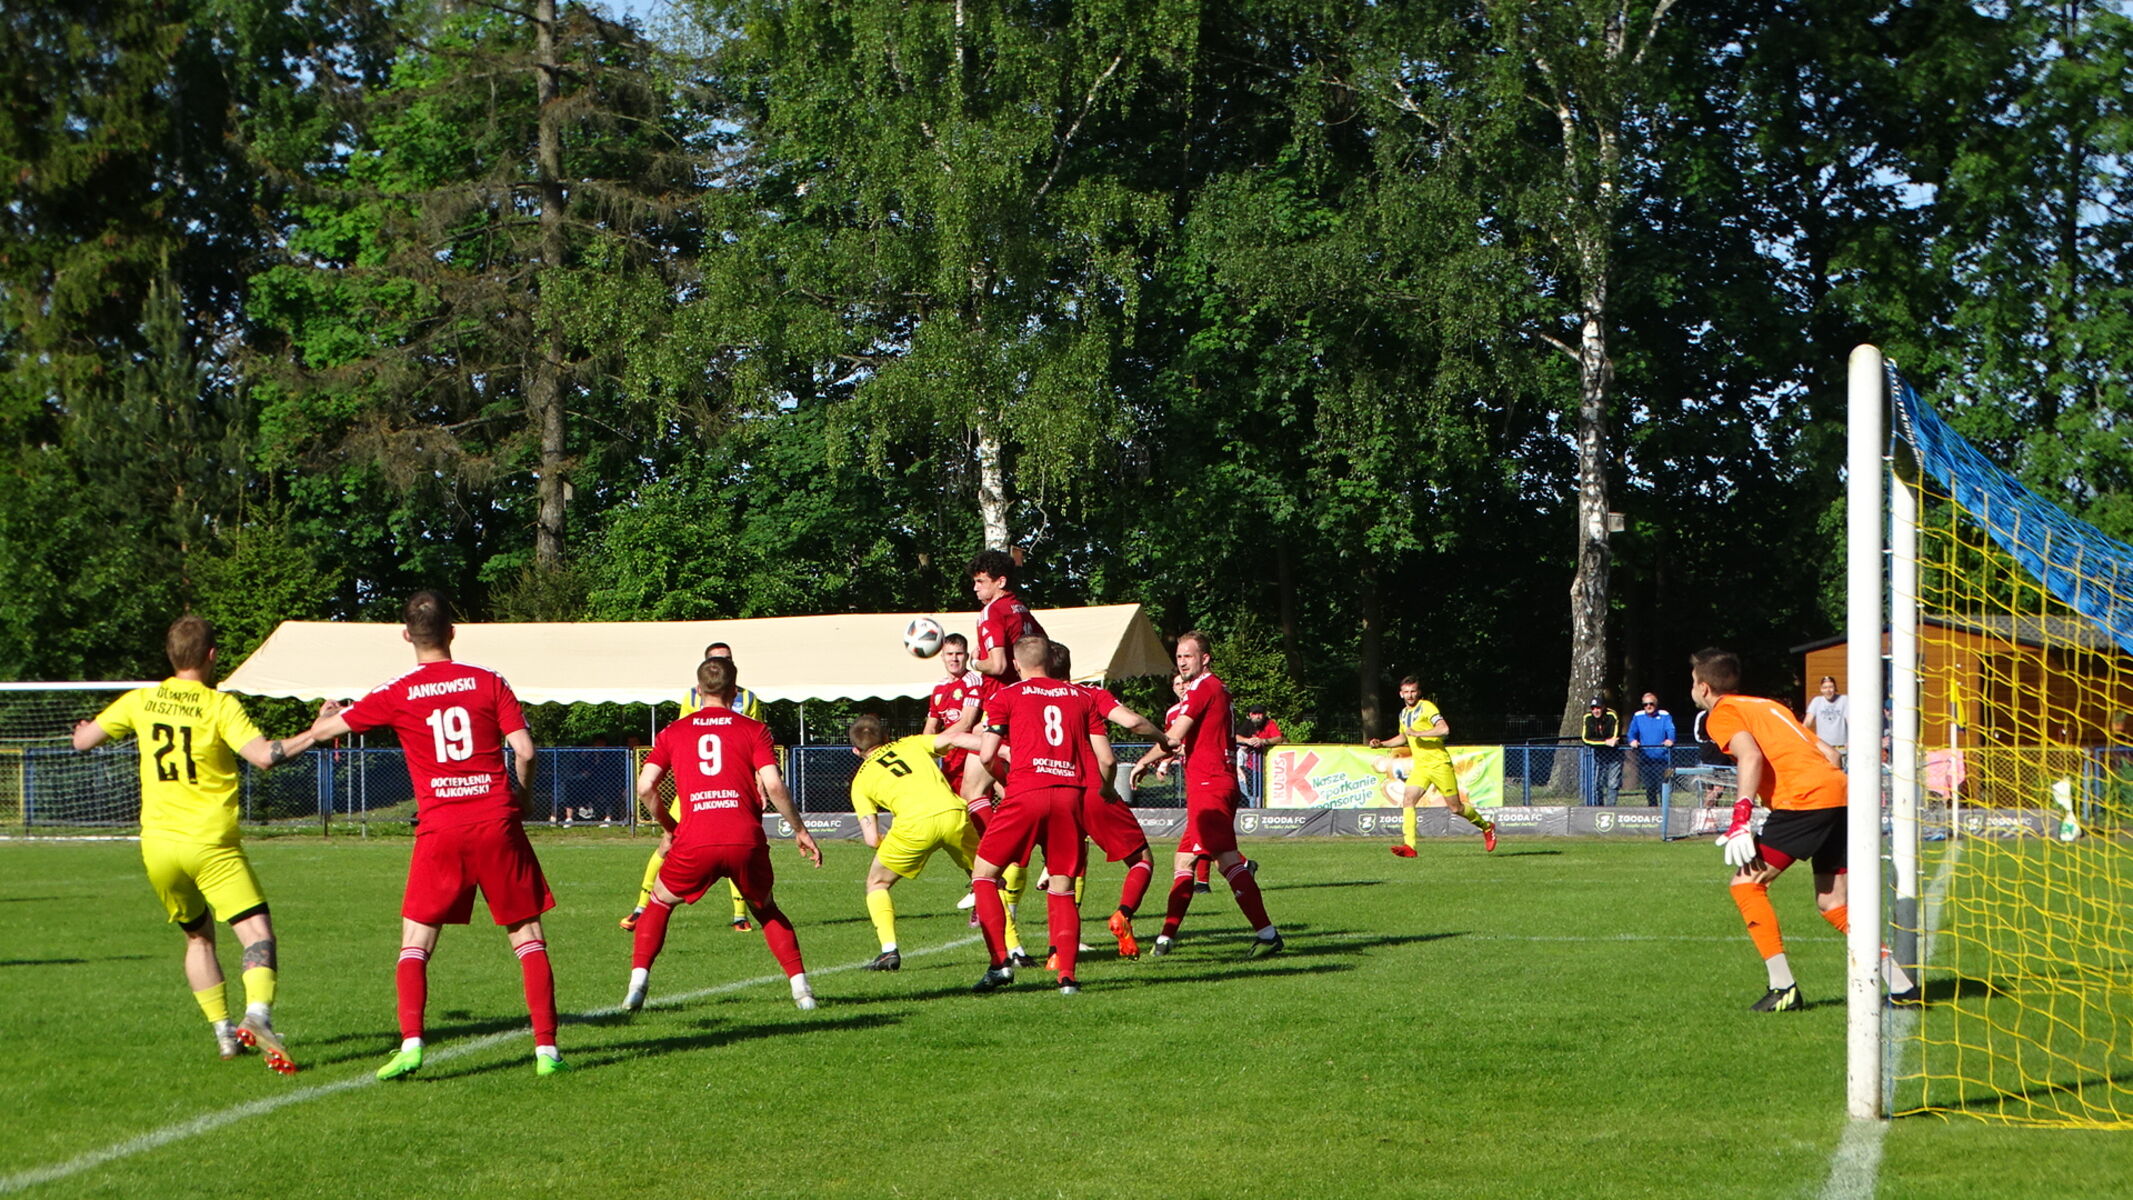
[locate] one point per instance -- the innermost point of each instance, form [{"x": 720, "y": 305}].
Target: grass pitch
[{"x": 1560, "y": 1018}]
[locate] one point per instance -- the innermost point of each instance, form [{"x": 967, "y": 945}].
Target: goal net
[
  {"x": 45, "y": 787},
  {"x": 2024, "y": 919}
]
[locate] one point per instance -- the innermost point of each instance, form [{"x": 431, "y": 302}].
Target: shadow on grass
[
  {"x": 380, "y": 1043},
  {"x": 2042, "y": 1094},
  {"x": 1300, "y": 887},
  {"x": 709, "y": 1036},
  {"x": 63, "y": 962},
  {"x": 1526, "y": 854},
  {"x": 1950, "y": 988}
]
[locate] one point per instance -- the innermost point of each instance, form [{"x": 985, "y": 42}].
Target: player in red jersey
[
  {"x": 1104, "y": 813},
  {"x": 453, "y": 721},
  {"x": 1211, "y": 796},
  {"x": 724, "y": 768},
  {"x": 1050, "y": 730},
  {"x": 1004, "y": 621},
  {"x": 954, "y": 708},
  {"x": 1200, "y": 862}
]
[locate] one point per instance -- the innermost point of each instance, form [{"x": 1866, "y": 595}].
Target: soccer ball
[{"x": 922, "y": 637}]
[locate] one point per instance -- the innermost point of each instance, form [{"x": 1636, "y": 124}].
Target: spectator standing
[
  {"x": 1829, "y": 715},
  {"x": 1651, "y": 735},
  {"x": 1257, "y": 733},
  {"x": 1603, "y": 733}
]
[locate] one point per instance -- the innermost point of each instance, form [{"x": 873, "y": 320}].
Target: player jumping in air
[
  {"x": 1211, "y": 797},
  {"x": 453, "y": 721},
  {"x": 745, "y": 703},
  {"x": 1427, "y": 735},
  {"x": 904, "y": 779},
  {"x": 189, "y": 841},
  {"x": 1779, "y": 760},
  {"x": 1050, "y": 728},
  {"x": 724, "y": 766}
]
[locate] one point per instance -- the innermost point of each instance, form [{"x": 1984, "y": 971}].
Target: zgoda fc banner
[{"x": 1359, "y": 777}]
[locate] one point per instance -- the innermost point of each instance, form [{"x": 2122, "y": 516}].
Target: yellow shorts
[
  {"x": 190, "y": 879},
  {"x": 1435, "y": 775},
  {"x": 908, "y": 844}
]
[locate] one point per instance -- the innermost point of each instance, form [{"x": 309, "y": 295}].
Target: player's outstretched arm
[
  {"x": 1132, "y": 722},
  {"x": 957, "y": 740},
  {"x": 773, "y": 785},
  {"x": 266, "y": 754},
  {"x": 88, "y": 735},
  {"x": 330, "y": 724}
]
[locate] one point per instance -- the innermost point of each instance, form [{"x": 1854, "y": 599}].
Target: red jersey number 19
[
  {"x": 454, "y": 733},
  {"x": 711, "y": 755}
]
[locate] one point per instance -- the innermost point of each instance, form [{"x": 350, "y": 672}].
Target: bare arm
[
  {"x": 264, "y": 754},
  {"x": 1748, "y": 764},
  {"x": 868, "y": 830},
  {"x": 1132, "y": 722},
  {"x": 1164, "y": 747},
  {"x": 88, "y": 735},
  {"x": 994, "y": 662},
  {"x": 957, "y": 740},
  {"x": 523, "y": 754},
  {"x": 773, "y": 785}
]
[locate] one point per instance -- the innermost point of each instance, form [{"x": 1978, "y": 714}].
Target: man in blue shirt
[{"x": 1651, "y": 735}]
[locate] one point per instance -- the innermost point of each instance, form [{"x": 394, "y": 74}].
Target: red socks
[
  {"x": 1135, "y": 889},
  {"x": 1065, "y": 928},
  {"x": 540, "y": 989},
  {"x": 651, "y": 933},
  {"x": 784, "y": 944},
  {"x": 992, "y": 918},
  {"x": 1180, "y": 900},
  {"x": 1200, "y": 868},
  {"x": 411, "y": 980},
  {"x": 1245, "y": 886}
]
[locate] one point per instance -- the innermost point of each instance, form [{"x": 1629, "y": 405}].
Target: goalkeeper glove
[{"x": 1739, "y": 838}]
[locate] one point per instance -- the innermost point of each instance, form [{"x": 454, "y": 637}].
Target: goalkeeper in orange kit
[{"x": 1796, "y": 772}]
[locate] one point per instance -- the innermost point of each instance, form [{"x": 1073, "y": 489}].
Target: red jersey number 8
[
  {"x": 454, "y": 733},
  {"x": 1054, "y": 725},
  {"x": 710, "y": 754}
]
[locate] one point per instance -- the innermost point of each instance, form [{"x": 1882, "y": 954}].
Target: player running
[
  {"x": 724, "y": 766},
  {"x": 189, "y": 841},
  {"x": 1203, "y": 729},
  {"x": 453, "y": 720},
  {"x": 1427, "y": 737},
  {"x": 903, "y": 779},
  {"x": 1779, "y": 760},
  {"x": 741, "y": 701},
  {"x": 1049, "y": 728},
  {"x": 1104, "y": 814}
]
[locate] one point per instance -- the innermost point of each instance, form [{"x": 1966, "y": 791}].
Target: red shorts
[
  {"x": 1111, "y": 825},
  {"x": 1051, "y": 815},
  {"x": 952, "y": 768},
  {"x": 690, "y": 870},
  {"x": 1210, "y": 818},
  {"x": 451, "y": 861}
]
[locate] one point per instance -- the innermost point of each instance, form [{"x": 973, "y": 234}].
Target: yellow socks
[
  {"x": 883, "y": 913},
  {"x": 259, "y": 987},
  {"x": 651, "y": 876},
  {"x": 214, "y": 1004},
  {"x": 1407, "y": 825},
  {"x": 740, "y": 906}
]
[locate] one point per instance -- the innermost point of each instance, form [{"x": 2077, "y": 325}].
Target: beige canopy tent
[{"x": 842, "y": 656}]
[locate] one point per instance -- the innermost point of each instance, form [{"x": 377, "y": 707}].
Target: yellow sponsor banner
[{"x": 1359, "y": 777}]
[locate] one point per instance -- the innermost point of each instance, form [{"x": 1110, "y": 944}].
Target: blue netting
[{"x": 2074, "y": 561}]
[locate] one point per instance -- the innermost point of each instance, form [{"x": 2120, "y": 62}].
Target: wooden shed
[{"x": 2003, "y": 681}]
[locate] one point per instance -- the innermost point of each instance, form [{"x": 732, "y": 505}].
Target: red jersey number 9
[{"x": 710, "y": 754}]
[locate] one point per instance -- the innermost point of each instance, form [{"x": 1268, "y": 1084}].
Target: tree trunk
[
  {"x": 1291, "y": 625},
  {"x": 1588, "y": 588},
  {"x": 1368, "y": 655},
  {"x": 545, "y": 387},
  {"x": 992, "y": 484}
]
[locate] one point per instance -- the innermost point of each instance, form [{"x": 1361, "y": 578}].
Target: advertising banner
[{"x": 1359, "y": 777}]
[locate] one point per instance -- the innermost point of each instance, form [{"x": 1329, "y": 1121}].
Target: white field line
[
  {"x": 209, "y": 1122},
  {"x": 1855, "y": 1168}
]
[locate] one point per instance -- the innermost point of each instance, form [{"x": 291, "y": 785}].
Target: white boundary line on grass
[
  {"x": 1855, "y": 1168},
  {"x": 209, "y": 1122}
]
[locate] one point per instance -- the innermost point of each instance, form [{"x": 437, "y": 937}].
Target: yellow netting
[{"x": 2027, "y": 876}]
